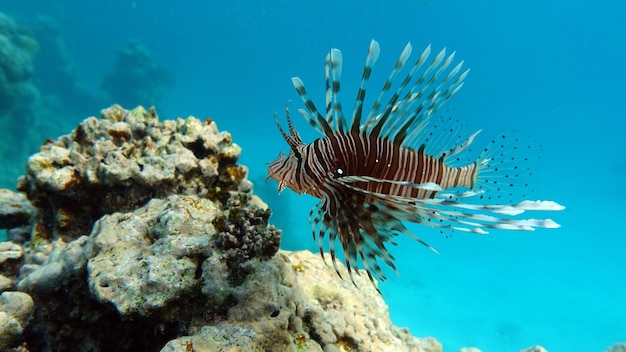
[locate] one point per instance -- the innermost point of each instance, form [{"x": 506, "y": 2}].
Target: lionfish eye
[{"x": 297, "y": 154}]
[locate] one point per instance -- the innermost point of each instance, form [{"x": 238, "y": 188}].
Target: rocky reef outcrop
[
  {"x": 134, "y": 234},
  {"x": 122, "y": 160}
]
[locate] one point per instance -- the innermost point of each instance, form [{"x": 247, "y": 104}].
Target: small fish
[{"x": 389, "y": 166}]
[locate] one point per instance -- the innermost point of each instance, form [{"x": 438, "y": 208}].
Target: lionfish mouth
[{"x": 276, "y": 171}]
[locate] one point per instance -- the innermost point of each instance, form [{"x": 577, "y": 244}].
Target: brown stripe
[
  {"x": 458, "y": 171},
  {"x": 420, "y": 167}
]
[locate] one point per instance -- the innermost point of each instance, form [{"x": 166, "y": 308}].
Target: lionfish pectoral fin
[
  {"x": 282, "y": 184},
  {"x": 445, "y": 213},
  {"x": 387, "y": 207},
  {"x": 362, "y": 230},
  {"x": 321, "y": 226}
]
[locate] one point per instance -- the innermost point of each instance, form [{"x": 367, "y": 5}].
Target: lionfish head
[{"x": 283, "y": 168}]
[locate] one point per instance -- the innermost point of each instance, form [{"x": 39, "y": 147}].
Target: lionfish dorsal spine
[
  {"x": 395, "y": 129},
  {"x": 293, "y": 138},
  {"x": 376, "y": 120},
  {"x": 334, "y": 110},
  {"x": 370, "y": 61},
  {"x": 313, "y": 116},
  {"x": 406, "y": 112}
]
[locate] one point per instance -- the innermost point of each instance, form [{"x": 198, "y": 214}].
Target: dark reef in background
[
  {"x": 19, "y": 96},
  {"x": 137, "y": 77},
  {"x": 55, "y": 73},
  {"x": 37, "y": 87}
]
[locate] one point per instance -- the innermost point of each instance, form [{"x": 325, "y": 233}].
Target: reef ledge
[{"x": 134, "y": 234}]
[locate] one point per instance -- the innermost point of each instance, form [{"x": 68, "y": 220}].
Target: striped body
[
  {"x": 375, "y": 172},
  {"x": 353, "y": 155}
]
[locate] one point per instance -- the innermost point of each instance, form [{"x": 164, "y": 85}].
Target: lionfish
[{"x": 379, "y": 170}]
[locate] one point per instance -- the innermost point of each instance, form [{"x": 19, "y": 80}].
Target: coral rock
[
  {"x": 296, "y": 303},
  {"x": 5, "y": 283},
  {"x": 121, "y": 161},
  {"x": 16, "y": 309},
  {"x": 140, "y": 261},
  {"x": 15, "y": 209},
  {"x": 350, "y": 319},
  {"x": 64, "y": 262}
]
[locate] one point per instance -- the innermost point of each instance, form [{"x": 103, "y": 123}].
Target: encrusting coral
[
  {"x": 121, "y": 161},
  {"x": 146, "y": 235}
]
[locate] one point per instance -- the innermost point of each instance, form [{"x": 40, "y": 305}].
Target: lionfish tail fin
[{"x": 500, "y": 193}]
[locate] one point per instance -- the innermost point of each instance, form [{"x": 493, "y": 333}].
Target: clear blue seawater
[{"x": 553, "y": 70}]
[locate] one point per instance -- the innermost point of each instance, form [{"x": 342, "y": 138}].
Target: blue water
[{"x": 551, "y": 69}]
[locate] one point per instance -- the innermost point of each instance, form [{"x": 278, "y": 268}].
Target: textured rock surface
[
  {"x": 142, "y": 260},
  {"x": 338, "y": 315},
  {"x": 11, "y": 261},
  {"x": 121, "y": 161},
  {"x": 296, "y": 303},
  {"x": 15, "y": 209},
  {"x": 16, "y": 309}
]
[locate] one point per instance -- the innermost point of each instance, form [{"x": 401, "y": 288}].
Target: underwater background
[{"x": 552, "y": 71}]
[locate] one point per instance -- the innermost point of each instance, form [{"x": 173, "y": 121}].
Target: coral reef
[
  {"x": 121, "y": 161},
  {"x": 304, "y": 306},
  {"x": 137, "y": 77},
  {"x": 145, "y": 235},
  {"x": 16, "y": 308},
  {"x": 135, "y": 234},
  {"x": 39, "y": 83}
]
